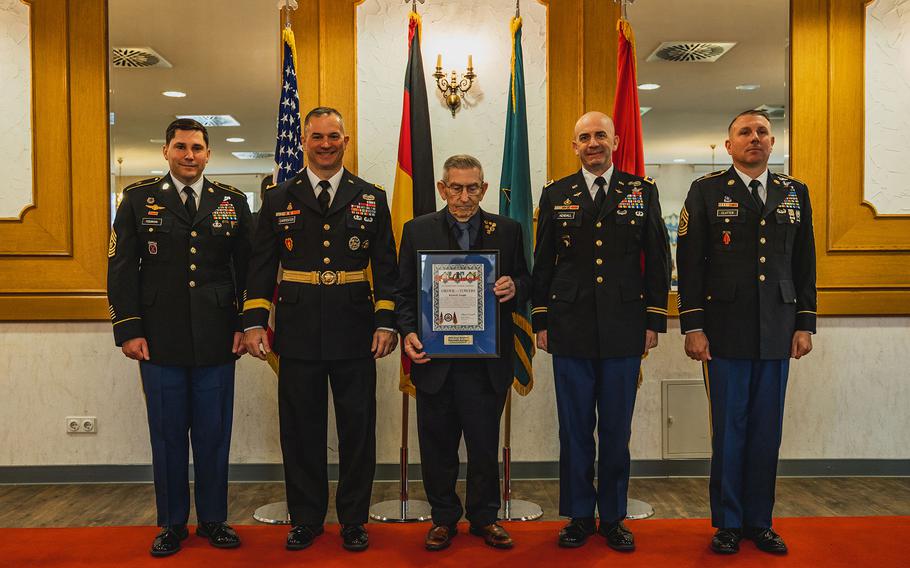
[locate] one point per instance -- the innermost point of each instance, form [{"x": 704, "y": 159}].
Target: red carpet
[{"x": 814, "y": 542}]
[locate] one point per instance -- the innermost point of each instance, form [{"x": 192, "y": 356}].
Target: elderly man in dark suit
[{"x": 462, "y": 396}]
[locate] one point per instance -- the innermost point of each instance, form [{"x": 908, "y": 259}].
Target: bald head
[{"x": 594, "y": 142}]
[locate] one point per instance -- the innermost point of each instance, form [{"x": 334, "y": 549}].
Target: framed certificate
[{"x": 457, "y": 311}]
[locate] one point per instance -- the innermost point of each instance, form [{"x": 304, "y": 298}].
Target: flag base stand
[
  {"x": 513, "y": 509},
  {"x": 403, "y": 509},
  {"x": 636, "y": 510},
  {"x": 273, "y": 514}
]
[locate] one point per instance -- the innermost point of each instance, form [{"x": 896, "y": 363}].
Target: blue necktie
[{"x": 464, "y": 235}]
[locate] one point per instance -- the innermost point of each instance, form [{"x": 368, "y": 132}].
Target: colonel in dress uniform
[
  {"x": 324, "y": 227},
  {"x": 462, "y": 397},
  {"x": 601, "y": 276},
  {"x": 176, "y": 278},
  {"x": 747, "y": 302}
]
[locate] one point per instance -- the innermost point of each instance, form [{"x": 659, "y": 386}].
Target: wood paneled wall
[{"x": 53, "y": 261}]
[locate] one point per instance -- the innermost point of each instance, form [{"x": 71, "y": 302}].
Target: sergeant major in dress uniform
[
  {"x": 176, "y": 277},
  {"x": 747, "y": 301},
  {"x": 324, "y": 227},
  {"x": 600, "y": 282}
]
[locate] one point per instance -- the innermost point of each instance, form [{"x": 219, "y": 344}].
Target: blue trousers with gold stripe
[
  {"x": 594, "y": 394},
  {"x": 189, "y": 403},
  {"x": 747, "y": 414}
]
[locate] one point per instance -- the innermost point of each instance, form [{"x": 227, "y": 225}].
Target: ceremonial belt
[{"x": 324, "y": 277}]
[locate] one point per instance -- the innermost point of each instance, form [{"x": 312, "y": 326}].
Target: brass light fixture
[{"x": 452, "y": 89}]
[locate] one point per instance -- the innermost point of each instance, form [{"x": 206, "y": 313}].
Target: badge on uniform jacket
[
  {"x": 354, "y": 243},
  {"x": 725, "y": 238},
  {"x": 289, "y": 244},
  {"x": 153, "y": 247}
]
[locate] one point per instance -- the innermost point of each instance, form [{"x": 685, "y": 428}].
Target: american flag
[{"x": 288, "y": 152}]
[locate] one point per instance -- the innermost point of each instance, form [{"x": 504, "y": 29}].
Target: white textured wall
[
  {"x": 887, "y": 117},
  {"x": 15, "y": 109},
  {"x": 847, "y": 399},
  {"x": 453, "y": 28}
]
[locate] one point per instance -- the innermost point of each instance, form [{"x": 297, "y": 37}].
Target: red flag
[{"x": 629, "y": 156}]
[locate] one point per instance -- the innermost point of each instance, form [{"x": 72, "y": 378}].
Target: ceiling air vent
[
  {"x": 775, "y": 112},
  {"x": 695, "y": 51},
  {"x": 138, "y": 58}
]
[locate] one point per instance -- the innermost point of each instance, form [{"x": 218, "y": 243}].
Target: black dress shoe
[
  {"x": 439, "y": 537},
  {"x": 766, "y": 540},
  {"x": 618, "y": 536},
  {"x": 302, "y": 536},
  {"x": 726, "y": 541},
  {"x": 219, "y": 533},
  {"x": 168, "y": 540},
  {"x": 354, "y": 538},
  {"x": 576, "y": 533}
]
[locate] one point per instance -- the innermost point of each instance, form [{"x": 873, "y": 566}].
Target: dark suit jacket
[
  {"x": 176, "y": 281},
  {"x": 601, "y": 277},
  {"x": 746, "y": 277},
  {"x": 319, "y": 322},
  {"x": 432, "y": 232}
]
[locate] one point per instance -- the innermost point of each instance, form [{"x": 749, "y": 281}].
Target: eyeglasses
[{"x": 457, "y": 189}]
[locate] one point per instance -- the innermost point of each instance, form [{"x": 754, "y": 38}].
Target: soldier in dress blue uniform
[
  {"x": 176, "y": 278},
  {"x": 600, "y": 282},
  {"x": 747, "y": 301},
  {"x": 324, "y": 227}
]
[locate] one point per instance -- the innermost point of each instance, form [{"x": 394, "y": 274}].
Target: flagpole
[{"x": 513, "y": 509}]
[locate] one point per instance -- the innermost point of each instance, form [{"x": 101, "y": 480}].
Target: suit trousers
[
  {"x": 303, "y": 422},
  {"x": 465, "y": 405},
  {"x": 747, "y": 416},
  {"x": 594, "y": 394},
  {"x": 183, "y": 404}
]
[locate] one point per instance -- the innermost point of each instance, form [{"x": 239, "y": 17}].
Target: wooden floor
[{"x": 134, "y": 504}]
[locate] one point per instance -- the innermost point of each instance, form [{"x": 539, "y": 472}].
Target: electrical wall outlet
[{"x": 81, "y": 424}]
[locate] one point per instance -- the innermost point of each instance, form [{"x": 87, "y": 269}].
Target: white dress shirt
[
  {"x": 334, "y": 182},
  {"x": 197, "y": 189},
  {"x": 589, "y": 179}
]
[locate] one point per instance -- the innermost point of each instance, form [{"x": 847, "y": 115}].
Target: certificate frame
[{"x": 442, "y": 336}]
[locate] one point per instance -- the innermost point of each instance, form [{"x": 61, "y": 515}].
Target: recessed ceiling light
[
  {"x": 747, "y": 87},
  {"x": 649, "y": 86},
  {"x": 679, "y": 160},
  {"x": 235, "y": 140},
  {"x": 209, "y": 120},
  {"x": 156, "y": 140},
  {"x": 174, "y": 94},
  {"x": 156, "y": 172}
]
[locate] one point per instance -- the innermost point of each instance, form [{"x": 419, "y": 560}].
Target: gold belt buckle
[{"x": 328, "y": 277}]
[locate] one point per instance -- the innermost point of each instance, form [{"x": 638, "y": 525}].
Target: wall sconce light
[{"x": 452, "y": 89}]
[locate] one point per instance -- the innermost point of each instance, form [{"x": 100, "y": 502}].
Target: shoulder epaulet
[
  {"x": 228, "y": 188},
  {"x": 791, "y": 178},
  {"x": 549, "y": 183},
  {"x": 379, "y": 187},
  {"x": 650, "y": 180},
  {"x": 711, "y": 175},
  {"x": 141, "y": 183}
]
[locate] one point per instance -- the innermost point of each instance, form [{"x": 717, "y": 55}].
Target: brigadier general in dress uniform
[
  {"x": 324, "y": 227},
  {"x": 601, "y": 276},
  {"x": 462, "y": 397},
  {"x": 747, "y": 301},
  {"x": 176, "y": 278}
]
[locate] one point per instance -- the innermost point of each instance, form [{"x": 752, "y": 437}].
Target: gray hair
[{"x": 461, "y": 162}]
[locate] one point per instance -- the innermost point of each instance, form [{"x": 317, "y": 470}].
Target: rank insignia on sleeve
[
  {"x": 683, "y": 227},
  {"x": 112, "y": 245},
  {"x": 153, "y": 247},
  {"x": 725, "y": 238},
  {"x": 489, "y": 227},
  {"x": 289, "y": 244},
  {"x": 354, "y": 243}
]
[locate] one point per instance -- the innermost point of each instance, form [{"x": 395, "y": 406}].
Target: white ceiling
[{"x": 226, "y": 60}]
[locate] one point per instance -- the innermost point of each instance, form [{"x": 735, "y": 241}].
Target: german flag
[{"x": 414, "y": 192}]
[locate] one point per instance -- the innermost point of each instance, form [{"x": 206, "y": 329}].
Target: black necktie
[
  {"x": 190, "y": 202},
  {"x": 324, "y": 198},
  {"x": 754, "y": 185},
  {"x": 600, "y": 195},
  {"x": 464, "y": 235}
]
